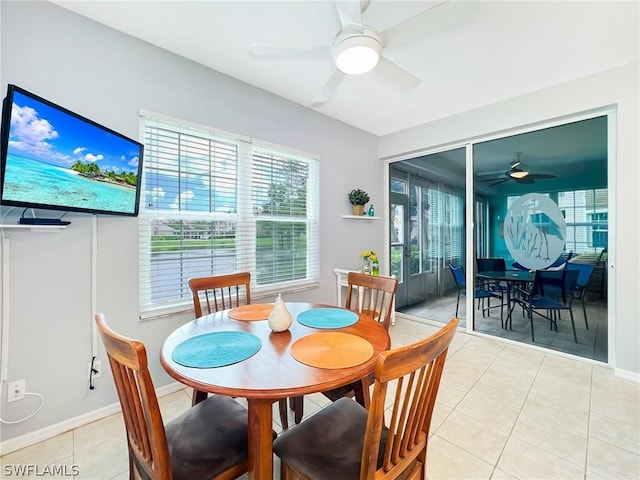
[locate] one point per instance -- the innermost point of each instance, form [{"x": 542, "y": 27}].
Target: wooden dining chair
[
  {"x": 346, "y": 441},
  {"x": 373, "y": 296},
  {"x": 215, "y": 293},
  {"x": 208, "y": 441},
  {"x": 221, "y": 292}
]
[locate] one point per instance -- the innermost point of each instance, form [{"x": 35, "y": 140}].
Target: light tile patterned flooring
[
  {"x": 591, "y": 343},
  {"x": 503, "y": 412}
]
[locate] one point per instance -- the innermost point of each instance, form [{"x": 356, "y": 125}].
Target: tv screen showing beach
[{"x": 59, "y": 160}]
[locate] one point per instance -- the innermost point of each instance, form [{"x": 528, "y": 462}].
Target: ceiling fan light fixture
[
  {"x": 518, "y": 169},
  {"x": 357, "y": 54},
  {"x": 518, "y": 173}
]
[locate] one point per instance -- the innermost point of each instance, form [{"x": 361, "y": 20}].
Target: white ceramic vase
[{"x": 280, "y": 318}]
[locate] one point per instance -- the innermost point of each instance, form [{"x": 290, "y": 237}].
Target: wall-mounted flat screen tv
[{"x": 55, "y": 159}]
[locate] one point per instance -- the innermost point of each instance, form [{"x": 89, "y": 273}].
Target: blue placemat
[
  {"x": 216, "y": 349},
  {"x": 327, "y": 318}
]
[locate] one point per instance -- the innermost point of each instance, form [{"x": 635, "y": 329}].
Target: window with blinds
[
  {"x": 586, "y": 216},
  {"x": 445, "y": 225},
  {"x": 218, "y": 203}
]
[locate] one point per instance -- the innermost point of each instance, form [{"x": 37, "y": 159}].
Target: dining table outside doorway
[
  {"x": 510, "y": 278},
  {"x": 311, "y": 356}
]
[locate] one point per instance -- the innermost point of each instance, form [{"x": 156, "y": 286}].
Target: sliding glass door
[
  {"x": 515, "y": 178},
  {"x": 426, "y": 230}
]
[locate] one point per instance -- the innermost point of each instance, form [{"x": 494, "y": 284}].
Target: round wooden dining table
[{"x": 272, "y": 373}]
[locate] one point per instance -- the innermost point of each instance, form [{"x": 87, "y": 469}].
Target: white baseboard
[
  {"x": 32, "y": 438},
  {"x": 26, "y": 440},
  {"x": 627, "y": 375}
]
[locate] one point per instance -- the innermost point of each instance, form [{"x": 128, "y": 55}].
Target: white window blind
[
  {"x": 216, "y": 203},
  {"x": 586, "y": 216},
  {"x": 446, "y": 225}
]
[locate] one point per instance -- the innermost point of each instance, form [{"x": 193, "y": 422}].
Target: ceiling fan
[
  {"x": 519, "y": 172},
  {"x": 359, "y": 48}
]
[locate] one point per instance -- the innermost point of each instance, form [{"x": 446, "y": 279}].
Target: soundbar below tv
[{"x": 54, "y": 159}]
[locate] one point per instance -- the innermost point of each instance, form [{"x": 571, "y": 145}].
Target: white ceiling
[{"x": 497, "y": 50}]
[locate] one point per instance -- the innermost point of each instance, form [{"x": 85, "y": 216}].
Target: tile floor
[
  {"x": 503, "y": 412},
  {"x": 592, "y": 343}
]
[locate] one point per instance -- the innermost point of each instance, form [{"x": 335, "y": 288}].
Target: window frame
[{"x": 246, "y": 217}]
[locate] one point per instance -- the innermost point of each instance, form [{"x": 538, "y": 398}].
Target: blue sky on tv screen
[{"x": 41, "y": 132}]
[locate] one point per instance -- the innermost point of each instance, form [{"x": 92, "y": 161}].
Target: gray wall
[
  {"x": 613, "y": 88},
  {"x": 108, "y": 77}
]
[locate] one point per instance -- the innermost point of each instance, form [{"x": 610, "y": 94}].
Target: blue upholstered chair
[
  {"x": 480, "y": 293},
  {"x": 585, "y": 270},
  {"x": 551, "y": 292},
  {"x": 492, "y": 265}
]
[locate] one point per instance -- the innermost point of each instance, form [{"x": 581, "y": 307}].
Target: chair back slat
[
  {"x": 146, "y": 436},
  {"x": 220, "y": 292},
  {"x": 491, "y": 265},
  {"x": 409, "y": 416},
  {"x": 372, "y": 295},
  {"x": 416, "y": 371},
  {"x": 420, "y": 411},
  {"x": 133, "y": 414}
]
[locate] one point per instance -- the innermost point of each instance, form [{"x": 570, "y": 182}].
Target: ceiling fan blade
[
  {"x": 541, "y": 176},
  {"x": 499, "y": 182},
  {"x": 490, "y": 179},
  {"x": 528, "y": 180},
  {"x": 329, "y": 88},
  {"x": 441, "y": 15},
  {"x": 396, "y": 76},
  {"x": 288, "y": 51},
  {"x": 350, "y": 12}
]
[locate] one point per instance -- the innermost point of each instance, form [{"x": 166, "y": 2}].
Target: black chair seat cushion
[
  {"x": 329, "y": 444},
  {"x": 208, "y": 438}
]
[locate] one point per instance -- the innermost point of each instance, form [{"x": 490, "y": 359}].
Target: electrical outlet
[
  {"x": 97, "y": 365},
  {"x": 15, "y": 390}
]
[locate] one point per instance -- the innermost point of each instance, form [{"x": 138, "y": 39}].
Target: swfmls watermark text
[{"x": 18, "y": 470}]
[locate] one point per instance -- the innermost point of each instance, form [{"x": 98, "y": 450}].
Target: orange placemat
[
  {"x": 332, "y": 350},
  {"x": 251, "y": 312}
]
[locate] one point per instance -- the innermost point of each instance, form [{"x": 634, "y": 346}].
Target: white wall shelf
[
  {"x": 361, "y": 217},
  {"x": 34, "y": 228}
]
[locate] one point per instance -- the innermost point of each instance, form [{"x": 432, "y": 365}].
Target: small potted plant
[{"x": 358, "y": 199}]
